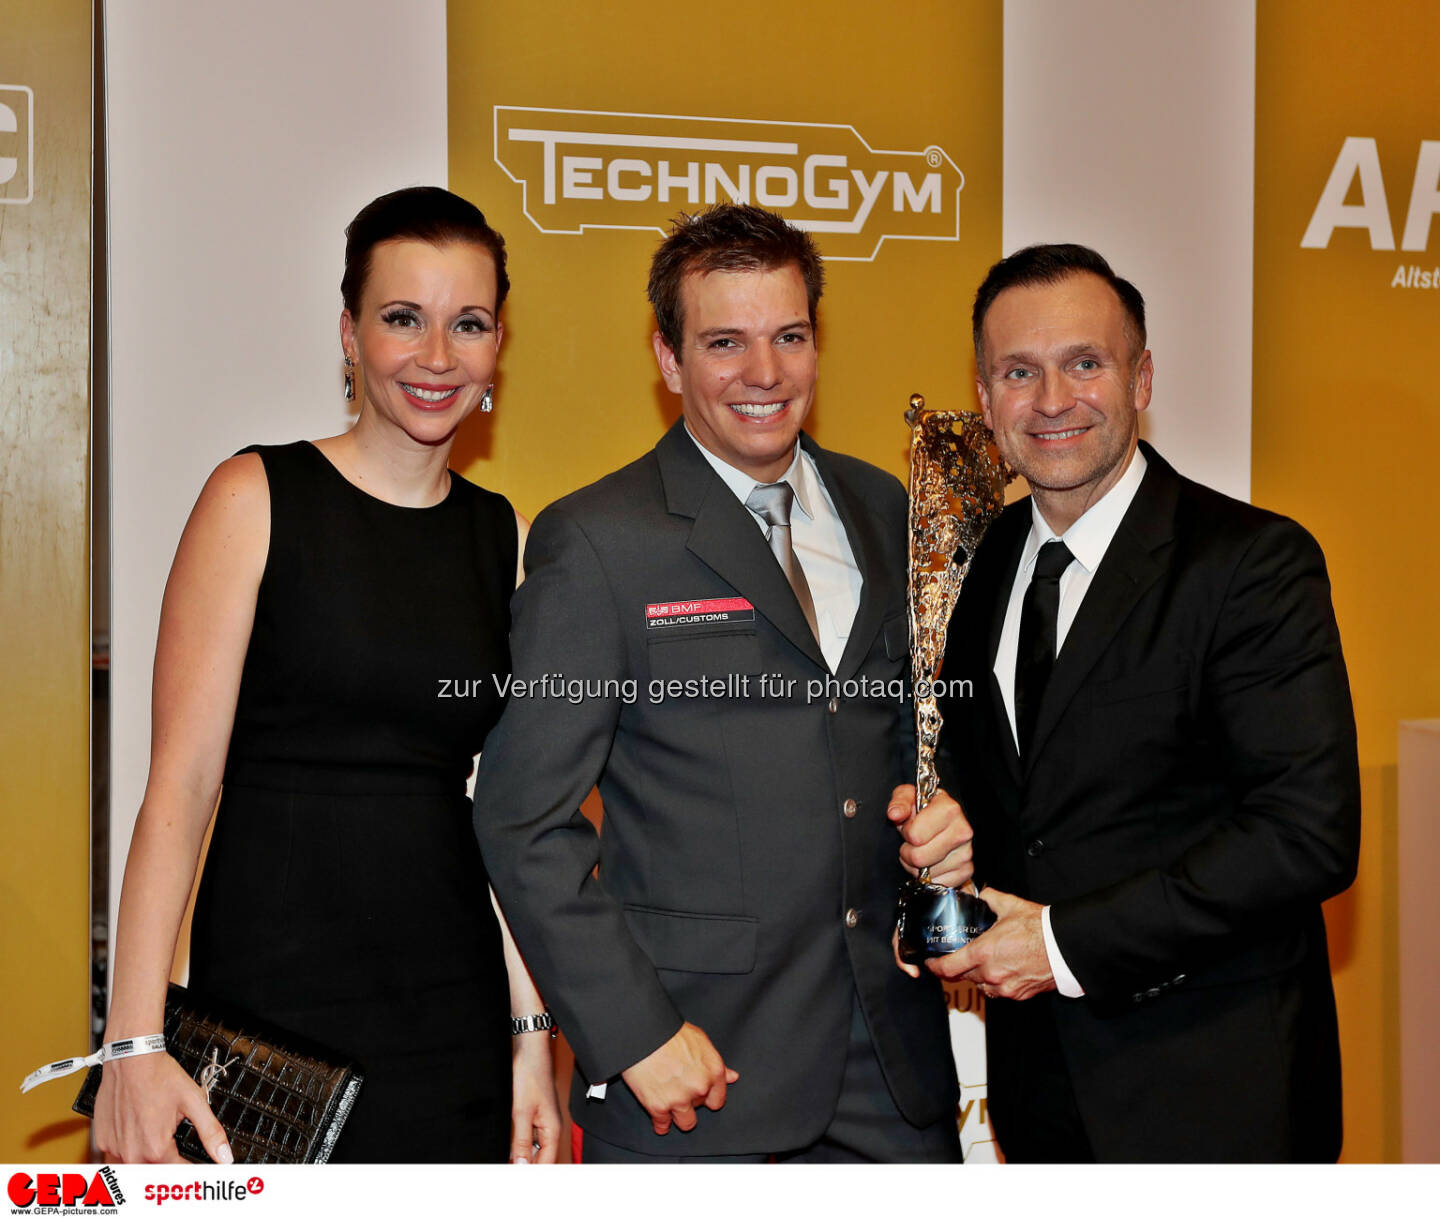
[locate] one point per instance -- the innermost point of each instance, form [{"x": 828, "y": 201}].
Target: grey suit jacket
[{"x": 740, "y": 828}]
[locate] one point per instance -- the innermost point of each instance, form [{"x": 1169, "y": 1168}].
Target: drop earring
[
  {"x": 487, "y": 400},
  {"x": 349, "y": 379}
]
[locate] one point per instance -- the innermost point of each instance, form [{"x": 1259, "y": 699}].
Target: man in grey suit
[{"x": 729, "y": 613}]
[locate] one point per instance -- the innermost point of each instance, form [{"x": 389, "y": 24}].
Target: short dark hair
[
  {"x": 1050, "y": 264},
  {"x": 727, "y": 237},
  {"x": 417, "y": 213}
]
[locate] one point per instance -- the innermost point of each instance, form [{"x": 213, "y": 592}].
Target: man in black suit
[
  {"x": 1159, "y": 765},
  {"x": 729, "y": 612}
]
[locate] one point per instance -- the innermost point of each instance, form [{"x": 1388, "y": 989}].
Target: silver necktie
[{"x": 772, "y": 504}]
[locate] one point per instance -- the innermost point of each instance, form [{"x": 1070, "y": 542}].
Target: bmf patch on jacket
[{"x": 699, "y": 612}]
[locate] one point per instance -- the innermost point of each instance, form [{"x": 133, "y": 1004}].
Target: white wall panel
[
  {"x": 242, "y": 138},
  {"x": 1130, "y": 127},
  {"x": 1418, "y": 833}
]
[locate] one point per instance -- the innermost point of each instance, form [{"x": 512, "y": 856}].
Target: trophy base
[{"x": 935, "y": 920}]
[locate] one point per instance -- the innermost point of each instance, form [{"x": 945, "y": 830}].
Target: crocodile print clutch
[{"x": 281, "y": 1098}]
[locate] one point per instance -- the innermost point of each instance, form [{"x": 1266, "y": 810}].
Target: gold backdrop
[
  {"x": 1346, "y": 427},
  {"x": 581, "y": 131},
  {"x": 579, "y": 394},
  {"x": 44, "y": 564}
]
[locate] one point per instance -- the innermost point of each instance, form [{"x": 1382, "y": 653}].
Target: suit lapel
[
  {"x": 1128, "y": 569},
  {"x": 726, "y": 538},
  {"x": 1009, "y": 533}
]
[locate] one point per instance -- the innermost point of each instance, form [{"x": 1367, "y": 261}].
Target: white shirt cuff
[{"x": 1064, "y": 979}]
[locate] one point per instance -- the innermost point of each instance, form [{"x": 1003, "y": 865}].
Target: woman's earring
[
  {"x": 487, "y": 399},
  {"x": 349, "y": 379}
]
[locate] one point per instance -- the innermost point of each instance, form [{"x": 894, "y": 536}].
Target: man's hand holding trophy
[{"x": 957, "y": 487}]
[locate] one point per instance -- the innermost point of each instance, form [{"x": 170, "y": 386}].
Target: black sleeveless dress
[{"x": 343, "y": 896}]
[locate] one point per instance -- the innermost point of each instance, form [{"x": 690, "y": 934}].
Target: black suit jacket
[
  {"x": 727, "y": 861},
  {"x": 1192, "y": 797}
]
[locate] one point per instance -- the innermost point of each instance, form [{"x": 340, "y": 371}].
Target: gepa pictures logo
[
  {"x": 591, "y": 169},
  {"x": 46, "y": 1190}
]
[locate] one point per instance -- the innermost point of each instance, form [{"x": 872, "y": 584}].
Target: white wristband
[{"x": 131, "y": 1046}]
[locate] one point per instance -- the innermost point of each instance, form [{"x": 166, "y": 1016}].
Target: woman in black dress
[{"x": 330, "y": 632}]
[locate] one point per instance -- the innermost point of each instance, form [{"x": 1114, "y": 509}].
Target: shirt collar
[
  {"x": 801, "y": 476},
  {"x": 1089, "y": 537}
]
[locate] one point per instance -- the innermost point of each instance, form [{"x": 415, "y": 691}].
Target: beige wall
[
  {"x": 1418, "y": 771},
  {"x": 44, "y": 568}
]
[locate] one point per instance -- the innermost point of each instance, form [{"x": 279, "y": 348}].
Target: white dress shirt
[
  {"x": 821, "y": 545},
  {"x": 1088, "y": 539}
]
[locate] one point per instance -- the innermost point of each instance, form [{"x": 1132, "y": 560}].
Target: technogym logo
[{"x": 591, "y": 169}]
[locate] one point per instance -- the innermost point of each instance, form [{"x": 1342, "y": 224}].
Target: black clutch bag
[{"x": 280, "y": 1098}]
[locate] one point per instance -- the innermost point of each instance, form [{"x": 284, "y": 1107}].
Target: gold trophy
[{"x": 957, "y": 487}]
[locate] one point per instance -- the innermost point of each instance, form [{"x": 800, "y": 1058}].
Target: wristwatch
[{"x": 544, "y": 1022}]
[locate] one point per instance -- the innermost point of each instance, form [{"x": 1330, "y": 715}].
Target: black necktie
[
  {"x": 1036, "y": 654},
  {"x": 772, "y": 502}
]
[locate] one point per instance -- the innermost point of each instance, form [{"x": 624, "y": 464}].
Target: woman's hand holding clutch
[{"x": 141, "y": 1102}]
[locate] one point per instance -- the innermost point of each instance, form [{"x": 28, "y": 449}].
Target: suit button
[
  {"x": 1137, "y": 997},
  {"x": 852, "y": 918},
  {"x": 1180, "y": 980},
  {"x": 1035, "y": 849},
  {"x": 834, "y": 705},
  {"x": 1152, "y": 993},
  {"x": 849, "y": 807}
]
